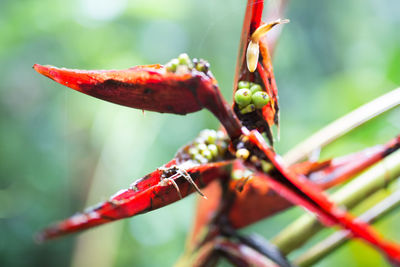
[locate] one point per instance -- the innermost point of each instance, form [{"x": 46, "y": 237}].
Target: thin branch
[
  {"x": 343, "y": 125},
  {"x": 334, "y": 241},
  {"x": 376, "y": 178}
]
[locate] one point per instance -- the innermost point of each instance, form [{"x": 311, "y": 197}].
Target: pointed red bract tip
[
  {"x": 149, "y": 193},
  {"x": 74, "y": 79},
  {"x": 142, "y": 87},
  {"x": 150, "y": 88},
  {"x": 43, "y": 69}
]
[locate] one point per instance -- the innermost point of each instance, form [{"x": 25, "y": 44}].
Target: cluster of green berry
[
  {"x": 183, "y": 64},
  {"x": 208, "y": 146},
  {"x": 250, "y": 97}
]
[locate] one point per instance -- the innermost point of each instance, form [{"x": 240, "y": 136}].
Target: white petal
[{"x": 252, "y": 56}]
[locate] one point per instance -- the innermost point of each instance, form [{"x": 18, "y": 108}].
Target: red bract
[
  {"x": 301, "y": 191},
  {"x": 149, "y": 193},
  {"x": 149, "y": 88},
  {"x": 182, "y": 87},
  {"x": 257, "y": 194},
  {"x": 263, "y": 74},
  {"x": 143, "y": 87}
]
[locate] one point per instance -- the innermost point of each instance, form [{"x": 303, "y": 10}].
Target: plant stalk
[
  {"x": 342, "y": 126},
  {"x": 365, "y": 184},
  {"x": 339, "y": 238}
]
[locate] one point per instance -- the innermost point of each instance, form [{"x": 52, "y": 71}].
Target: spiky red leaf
[
  {"x": 151, "y": 88},
  {"x": 300, "y": 191},
  {"x": 149, "y": 193}
]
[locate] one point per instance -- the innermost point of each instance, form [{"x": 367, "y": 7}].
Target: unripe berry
[
  {"x": 210, "y": 136},
  {"x": 172, "y": 65},
  {"x": 200, "y": 159},
  {"x": 213, "y": 149},
  {"x": 255, "y": 88},
  {"x": 242, "y": 153},
  {"x": 193, "y": 152},
  {"x": 243, "y": 84},
  {"x": 207, "y": 154},
  {"x": 248, "y": 109},
  {"x": 199, "y": 140},
  {"x": 201, "y": 147},
  {"x": 243, "y": 97},
  {"x": 260, "y": 99},
  {"x": 185, "y": 60}
]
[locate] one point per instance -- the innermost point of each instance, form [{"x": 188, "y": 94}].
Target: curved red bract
[
  {"x": 143, "y": 87},
  {"x": 300, "y": 191},
  {"x": 258, "y": 200},
  {"x": 151, "y": 88},
  {"x": 264, "y": 73},
  {"x": 146, "y": 194}
]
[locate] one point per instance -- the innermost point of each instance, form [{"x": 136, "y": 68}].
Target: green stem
[
  {"x": 337, "y": 239},
  {"x": 343, "y": 125},
  {"x": 365, "y": 184}
]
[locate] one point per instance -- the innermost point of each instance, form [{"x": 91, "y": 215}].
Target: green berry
[
  {"x": 260, "y": 99},
  {"x": 207, "y": 154},
  {"x": 248, "y": 109},
  {"x": 255, "y": 88},
  {"x": 200, "y": 159},
  {"x": 168, "y": 67},
  {"x": 193, "y": 152},
  {"x": 200, "y": 67},
  {"x": 172, "y": 65},
  {"x": 242, "y": 153},
  {"x": 210, "y": 136},
  {"x": 213, "y": 149},
  {"x": 201, "y": 147},
  {"x": 184, "y": 59},
  {"x": 243, "y": 84},
  {"x": 199, "y": 140},
  {"x": 243, "y": 97},
  {"x": 266, "y": 166}
]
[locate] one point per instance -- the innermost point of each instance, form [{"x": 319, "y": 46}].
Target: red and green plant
[{"x": 234, "y": 169}]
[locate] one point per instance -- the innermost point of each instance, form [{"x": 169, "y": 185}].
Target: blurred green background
[{"x": 62, "y": 151}]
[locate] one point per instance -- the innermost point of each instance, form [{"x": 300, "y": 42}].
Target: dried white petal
[{"x": 252, "y": 55}]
